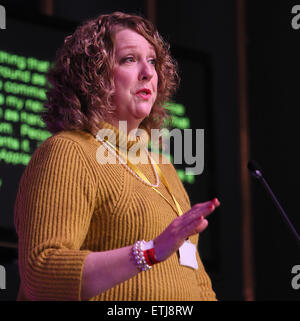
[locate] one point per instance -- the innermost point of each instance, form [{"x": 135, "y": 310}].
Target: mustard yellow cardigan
[{"x": 69, "y": 205}]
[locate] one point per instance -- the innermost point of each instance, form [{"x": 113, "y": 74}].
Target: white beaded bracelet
[{"x": 138, "y": 254}]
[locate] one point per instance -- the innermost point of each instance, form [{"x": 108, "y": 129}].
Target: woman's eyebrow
[{"x": 125, "y": 47}]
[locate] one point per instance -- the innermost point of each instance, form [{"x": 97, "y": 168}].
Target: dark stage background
[{"x": 204, "y": 40}]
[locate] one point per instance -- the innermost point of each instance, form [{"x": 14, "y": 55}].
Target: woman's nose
[{"x": 146, "y": 71}]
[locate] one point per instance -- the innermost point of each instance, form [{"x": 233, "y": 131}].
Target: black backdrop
[{"x": 274, "y": 67}]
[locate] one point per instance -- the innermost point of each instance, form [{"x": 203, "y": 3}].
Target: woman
[{"x": 80, "y": 220}]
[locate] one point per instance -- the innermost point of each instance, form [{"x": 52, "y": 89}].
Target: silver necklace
[{"x": 124, "y": 163}]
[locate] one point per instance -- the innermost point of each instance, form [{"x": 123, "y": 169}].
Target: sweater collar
[{"x": 119, "y": 138}]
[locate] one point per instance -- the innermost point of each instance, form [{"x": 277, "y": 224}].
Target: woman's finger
[
  {"x": 201, "y": 209},
  {"x": 194, "y": 227},
  {"x": 195, "y": 214},
  {"x": 214, "y": 202}
]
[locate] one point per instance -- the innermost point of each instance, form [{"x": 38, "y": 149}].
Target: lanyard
[{"x": 161, "y": 177}]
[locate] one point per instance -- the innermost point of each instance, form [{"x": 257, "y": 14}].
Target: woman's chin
[{"x": 142, "y": 113}]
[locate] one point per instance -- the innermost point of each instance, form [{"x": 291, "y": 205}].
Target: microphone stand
[{"x": 255, "y": 171}]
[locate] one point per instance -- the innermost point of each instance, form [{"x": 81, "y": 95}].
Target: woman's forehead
[{"x": 126, "y": 38}]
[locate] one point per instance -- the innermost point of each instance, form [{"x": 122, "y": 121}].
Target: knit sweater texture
[{"x": 68, "y": 204}]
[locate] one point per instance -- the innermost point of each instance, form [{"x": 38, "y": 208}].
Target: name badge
[{"x": 187, "y": 255}]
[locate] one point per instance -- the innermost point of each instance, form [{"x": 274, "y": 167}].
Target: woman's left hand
[{"x": 190, "y": 223}]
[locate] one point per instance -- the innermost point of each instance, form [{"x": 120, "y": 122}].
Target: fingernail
[{"x": 215, "y": 201}]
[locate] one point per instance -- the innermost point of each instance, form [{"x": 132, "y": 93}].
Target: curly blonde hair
[{"x": 81, "y": 80}]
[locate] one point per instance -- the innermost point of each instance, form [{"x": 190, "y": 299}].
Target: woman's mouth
[{"x": 144, "y": 93}]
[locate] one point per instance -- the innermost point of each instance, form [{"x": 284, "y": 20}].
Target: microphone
[
  {"x": 254, "y": 169},
  {"x": 256, "y": 172}
]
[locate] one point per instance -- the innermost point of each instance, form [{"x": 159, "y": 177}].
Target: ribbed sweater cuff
[{"x": 56, "y": 274}]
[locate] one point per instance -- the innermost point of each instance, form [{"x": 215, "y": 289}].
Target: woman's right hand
[{"x": 190, "y": 223}]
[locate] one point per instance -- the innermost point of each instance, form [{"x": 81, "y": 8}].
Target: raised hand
[{"x": 190, "y": 223}]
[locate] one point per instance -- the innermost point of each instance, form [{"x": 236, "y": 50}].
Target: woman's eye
[
  {"x": 128, "y": 59},
  {"x": 152, "y": 61}
]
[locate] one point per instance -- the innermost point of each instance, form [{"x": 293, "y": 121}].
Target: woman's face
[{"x": 135, "y": 77}]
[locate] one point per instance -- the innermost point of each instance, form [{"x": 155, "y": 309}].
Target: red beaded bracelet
[{"x": 150, "y": 257}]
